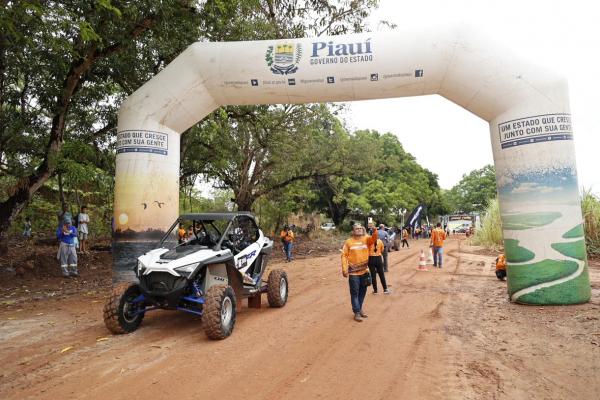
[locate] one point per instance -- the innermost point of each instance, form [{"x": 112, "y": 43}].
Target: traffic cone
[
  {"x": 422, "y": 263},
  {"x": 430, "y": 257}
]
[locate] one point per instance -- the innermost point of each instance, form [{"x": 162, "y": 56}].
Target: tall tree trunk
[
  {"x": 61, "y": 191},
  {"x": 244, "y": 200}
]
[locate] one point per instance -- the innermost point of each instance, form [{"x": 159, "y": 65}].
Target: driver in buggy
[{"x": 239, "y": 239}]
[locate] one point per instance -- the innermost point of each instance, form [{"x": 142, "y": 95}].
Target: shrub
[{"x": 490, "y": 233}]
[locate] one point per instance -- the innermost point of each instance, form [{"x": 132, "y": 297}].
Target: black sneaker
[{"x": 74, "y": 274}]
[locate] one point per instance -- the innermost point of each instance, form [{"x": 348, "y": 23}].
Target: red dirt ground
[{"x": 442, "y": 334}]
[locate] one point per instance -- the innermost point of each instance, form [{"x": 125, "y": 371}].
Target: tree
[
  {"x": 474, "y": 190},
  {"x": 65, "y": 67},
  {"x": 257, "y": 150},
  {"x": 278, "y": 19},
  {"x": 381, "y": 180}
]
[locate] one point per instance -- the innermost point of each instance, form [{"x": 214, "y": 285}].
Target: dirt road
[{"x": 443, "y": 334}]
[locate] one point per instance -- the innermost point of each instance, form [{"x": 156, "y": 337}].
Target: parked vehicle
[{"x": 328, "y": 226}]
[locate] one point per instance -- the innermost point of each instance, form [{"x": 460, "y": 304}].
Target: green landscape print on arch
[{"x": 540, "y": 208}]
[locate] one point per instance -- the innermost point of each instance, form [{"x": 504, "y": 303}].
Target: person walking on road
[
  {"x": 376, "y": 265},
  {"x": 385, "y": 238},
  {"x": 355, "y": 266},
  {"x": 437, "y": 244},
  {"x": 405, "y": 236},
  {"x": 287, "y": 239}
]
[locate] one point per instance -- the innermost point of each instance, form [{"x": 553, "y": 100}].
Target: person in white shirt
[{"x": 83, "y": 220}]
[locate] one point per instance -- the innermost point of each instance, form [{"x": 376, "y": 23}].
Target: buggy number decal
[{"x": 243, "y": 260}]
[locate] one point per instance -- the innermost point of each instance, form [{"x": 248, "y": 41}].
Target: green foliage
[
  {"x": 257, "y": 150},
  {"x": 194, "y": 202},
  {"x": 381, "y": 179},
  {"x": 473, "y": 191},
  {"x": 65, "y": 68},
  {"x": 73, "y": 63},
  {"x": 490, "y": 233},
  {"x": 590, "y": 206}
]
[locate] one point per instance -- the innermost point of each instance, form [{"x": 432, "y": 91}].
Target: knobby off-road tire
[
  {"x": 277, "y": 288},
  {"x": 219, "y": 314},
  {"x": 118, "y": 309}
]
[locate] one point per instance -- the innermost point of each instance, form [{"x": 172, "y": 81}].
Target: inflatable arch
[{"x": 526, "y": 106}]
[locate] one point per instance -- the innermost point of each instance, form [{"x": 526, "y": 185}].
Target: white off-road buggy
[{"x": 205, "y": 265}]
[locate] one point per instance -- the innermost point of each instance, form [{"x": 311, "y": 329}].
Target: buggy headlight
[
  {"x": 186, "y": 270},
  {"x": 139, "y": 268}
]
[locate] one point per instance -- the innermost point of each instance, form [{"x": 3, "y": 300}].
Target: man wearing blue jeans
[
  {"x": 355, "y": 257},
  {"x": 437, "y": 245}
]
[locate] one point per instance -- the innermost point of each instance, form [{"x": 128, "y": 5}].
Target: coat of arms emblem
[{"x": 283, "y": 58}]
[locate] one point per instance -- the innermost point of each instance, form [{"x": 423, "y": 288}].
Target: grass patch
[
  {"x": 516, "y": 222},
  {"x": 524, "y": 276},
  {"x": 573, "y": 249},
  {"x": 575, "y": 291},
  {"x": 574, "y": 233},
  {"x": 516, "y": 253},
  {"x": 590, "y": 207},
  {"x": 490, "y": 233}
]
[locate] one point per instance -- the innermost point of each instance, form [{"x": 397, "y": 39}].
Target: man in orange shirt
[
  {"x": 355, "y": 267},
  {"x": 437, "y": 244}
]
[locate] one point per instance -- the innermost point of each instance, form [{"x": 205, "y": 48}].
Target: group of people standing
[{"x": 364, "y": 258}]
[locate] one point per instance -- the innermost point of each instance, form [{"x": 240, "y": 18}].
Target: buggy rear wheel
[
  {"x": 277, "y": 292},
  {"x": 219, "y": 314},
  {"x": 121, "y": 314}
]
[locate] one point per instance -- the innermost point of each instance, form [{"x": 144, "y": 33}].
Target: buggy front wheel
[
  {"x": 219, "y": 314},
  {"x": 123, "y": 311}
]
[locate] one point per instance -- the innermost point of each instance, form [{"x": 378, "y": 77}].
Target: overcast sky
[{"x": 563, "y": 34}]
